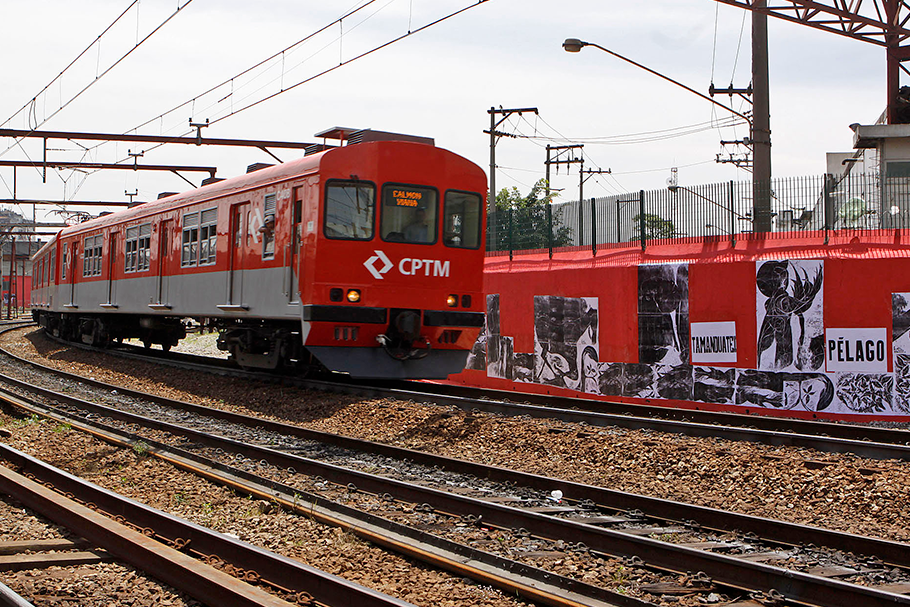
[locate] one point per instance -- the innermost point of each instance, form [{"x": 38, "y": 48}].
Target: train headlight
[
  {"x": 353, "y": 295},
  {"x": 452, "y": 301}
]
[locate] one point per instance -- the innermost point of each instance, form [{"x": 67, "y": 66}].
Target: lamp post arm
[{"x": 668, "y": 79}]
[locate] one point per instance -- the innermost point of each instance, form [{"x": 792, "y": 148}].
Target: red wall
[{"x": 860, "y": 275}]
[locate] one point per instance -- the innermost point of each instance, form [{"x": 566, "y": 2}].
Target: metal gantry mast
[{"x": 879, "y": 22}]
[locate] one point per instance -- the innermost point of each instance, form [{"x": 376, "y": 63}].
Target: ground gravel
[
  {"x": 159, "y": 485},
  {"x": 94, "y": 585},
  {"x": 831, "y": 490}
]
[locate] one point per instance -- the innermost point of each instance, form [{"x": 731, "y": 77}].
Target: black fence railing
[{"x": 792, "y": 206}]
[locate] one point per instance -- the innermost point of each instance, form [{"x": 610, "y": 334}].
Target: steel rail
[
  {"x": 869, "y": 442},
  {"x": 185, "y": 573},
  {"x": 10, "y": 598},
  {"x": 732, "y": 572},
  {"x": 894, "y": 553},
  {"x": 757, "y": 421},
  {"x": 178, "y": 569},
  {"x": 514, "y": 577}
]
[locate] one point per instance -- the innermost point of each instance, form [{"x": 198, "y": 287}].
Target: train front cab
[{"x": 396, "y": 266}]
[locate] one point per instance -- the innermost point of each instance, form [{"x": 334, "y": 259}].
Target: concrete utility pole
[
  {"x": 560, "y": 150},
  {"x": 494, "y": 134},
  {"x": 761, "y": 121}
]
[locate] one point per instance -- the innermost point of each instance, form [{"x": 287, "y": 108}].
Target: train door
[
  {"x": 111, "y": 265},
  {"x": 164, "y": 237},
  {"x": 240, "y": 228},
  {"x": 73, "y": 264},
  {"x": 294, "y": 257}
]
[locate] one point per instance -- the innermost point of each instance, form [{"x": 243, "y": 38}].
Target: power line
[
  {"x": 230, "y": 81},
  {"x": 98, "y": 76},
  {"x": 31, "y": 104},
  {"x": 353, "y": 59},
  {"x": 230, "y": 95}
]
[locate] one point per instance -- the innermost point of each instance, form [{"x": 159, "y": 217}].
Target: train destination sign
[
  {"x": 856, "y": 350},
  {"x": 405, "y": 197},
  {"x": 713, "y": 342}
]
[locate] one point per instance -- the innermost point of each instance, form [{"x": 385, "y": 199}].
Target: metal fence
[{"x": 799, "y": 206}]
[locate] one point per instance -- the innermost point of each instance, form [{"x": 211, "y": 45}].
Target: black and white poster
[
  {"x": 565, "y": 331},
  {"x": 809, "y": 391},
  {"x": 789, "y": 311},
  {"x": 865, "y": 392},
  {"x": 856, "y": 350},
  {"x": 759, "y": 389},
  {"x": 477, "y": 357},
  {"x": 900, "y": 347},
  {"x": 714, "y": 385},
  {"x": 496, "y": 359},
  {"x": 627, "y": 379},
  {"x": 663, "y": 314},
  {"x": 674, "y": 382},
  {"x": 638, "y": 381},
  {"x": 611, "y": 379}
]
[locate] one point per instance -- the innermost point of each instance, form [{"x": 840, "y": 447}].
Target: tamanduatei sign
[{"x": 713, "y": 342}]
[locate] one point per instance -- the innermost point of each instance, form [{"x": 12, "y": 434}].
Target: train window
[
  {"x": 461, "y": 222},
  {"x": 130, "y": 258},
  {"x": 51, "y": 276},
  {"x": 200, "y": 233},
  {"x": 190, "y": 239},
  {"x": 208, "y": 236},
  {"x": 268, "y": 227},
  {"x": 408, "y": 214},
  {"x": 91, "y": 258},
  {"x": 63, "y": 263},
  {"x": 144, "y": 246},
  {"x": 349, "y": 210}
]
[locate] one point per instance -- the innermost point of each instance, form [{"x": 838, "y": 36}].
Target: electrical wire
[
  {"x": 646, "y": 136},
  {"x": 31, "y": 103},
  {"x": 100, "y": 75},
  {"x": 739, "y": 44},
  {"x": 232, "y": 79},
  {"x": 353, "y": 59},
  {"x": 233, "y": 111}
]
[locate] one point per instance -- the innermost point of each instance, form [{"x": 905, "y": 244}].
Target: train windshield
[
  {"x": 461, "y": 220},
  {"x": 409, "y": 214},
  {"x": 349, "y": 210}
]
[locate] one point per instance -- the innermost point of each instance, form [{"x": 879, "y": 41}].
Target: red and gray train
[{"x": 365, "y": 259}]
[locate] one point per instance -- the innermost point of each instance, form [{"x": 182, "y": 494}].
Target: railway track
[
  {"x": 213, "y": 568},
  {"x": 609, "y": 524},
  {"x": 861, "y": 440}
]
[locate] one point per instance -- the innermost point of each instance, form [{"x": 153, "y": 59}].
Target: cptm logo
[{"x": 407, "y": 266}]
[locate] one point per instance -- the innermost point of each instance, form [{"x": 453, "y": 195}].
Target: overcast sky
[{"x": 438, "y": 83}]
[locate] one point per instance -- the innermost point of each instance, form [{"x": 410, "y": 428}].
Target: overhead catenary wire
[
  {"x": 355, "y": 58},
  {"x": 236, "y": 110},
  {"x": 230, "y": 81},
  {"x": 98, "y": 75},
  {"x": 232, "y": 94},
  {"x": 30, "y": 104}
]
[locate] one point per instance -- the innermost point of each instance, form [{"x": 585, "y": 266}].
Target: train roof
[{"x": 256, "y": 178}]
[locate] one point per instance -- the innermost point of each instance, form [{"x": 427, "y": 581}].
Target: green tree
[
  {"x": 521, "y": 222},
  {"x": 655, "y": 227}
]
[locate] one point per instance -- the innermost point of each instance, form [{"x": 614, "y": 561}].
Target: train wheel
[
  {"x": 166, "y": 347},
  {"x": 147, "y": 344}
]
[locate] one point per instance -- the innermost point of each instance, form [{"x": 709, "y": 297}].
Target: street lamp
[{"x": 574, "y": 45}]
